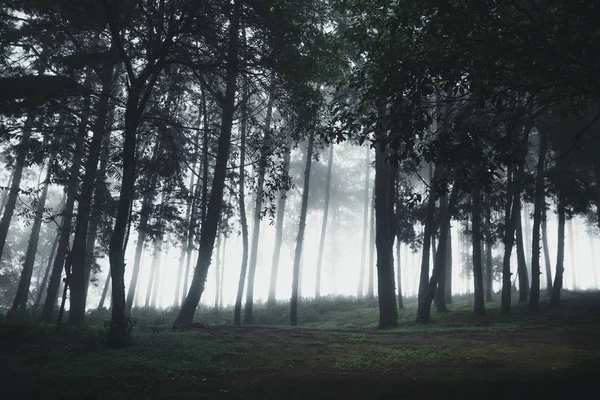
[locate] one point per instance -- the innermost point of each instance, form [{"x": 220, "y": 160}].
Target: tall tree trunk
[
  {"x": 399, "y": 274},
  {"x": 560, "y": 254},
  {"x": 223, "y": 263},
  {"x": 324, "y": 224},
  {"x": 156, "y": 266},
  {"x": 279, "y": 228},
  {"x": 572, "y": 253},
  {"x": 527, "y": 235},
  {"x": 218, "y": 272},
  {"x": 429, "y": 228},
  {"x": 65, "y": 229},
  {"x": 385, "y": 199},
  {"x": 104, "y": 292},
  {"x": 488, "y": 256},
  {"x": 479, "y": 305},
  {"x": 147, "y": 204},
  {"x": 539, "y": 204},
  {"x": 209, "y": 227},
  {"x": 372, "y": 250},
  {"x": 191, "y": 235},
  {"x": 363, "y": 256},
  {"x": 444, "y": 291},
  {"x": 439, "y": 267},
  {"x": 300, "y": 237},
  {"x": 6, "y": 191},
  {"x": 510, "y": 222},
  {"x": 546, "y": 253},
  {"x": 77, "y": 280},
  {"x": 11, "y": 201},
  {"x": 42, "y": 290},
  {"x": 521, "y": 260},
  {"x": 261, "y": 171},
  {"x": 184, "y": 247},
  {"x": 20, "y": 301},
  {"x": 237, "y": 313}
]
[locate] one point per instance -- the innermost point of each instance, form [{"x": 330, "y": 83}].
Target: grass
[{"x": 336, "y": 346}]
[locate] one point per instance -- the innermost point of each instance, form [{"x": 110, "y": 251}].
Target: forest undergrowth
[{"x": 335, "y": 353}]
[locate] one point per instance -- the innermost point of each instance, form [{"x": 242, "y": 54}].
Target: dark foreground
[{"x": 547, "y": 355}]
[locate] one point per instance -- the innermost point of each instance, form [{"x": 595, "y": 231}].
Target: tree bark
[
  {"x": 209, "y": 227},
  {"x": 78, "y": 284},
  {"x": 539, "y": 200},
  {"x": 429, "y": 222},
  {"x": 300, "y": 237},
  {"x": 479, "y": 305},
  {"x": 521, "y": 260},
  {"x": 279, "y": 229},
  {"x": 261, "y": 171},
  {"x": 488, "y": 256},
  {"x": 510, "y": 222},
  {"x": 361, "y": 276},
  {"x": 560, "y": 254},
  {"x": 324, "y": 223},
  {"x": 546, "y": 253},
  {"x": 11, "y": 201},
  {"x": 20, "y": 301}
]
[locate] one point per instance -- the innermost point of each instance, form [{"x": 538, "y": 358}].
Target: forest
[{"x": 273, "y": 199}]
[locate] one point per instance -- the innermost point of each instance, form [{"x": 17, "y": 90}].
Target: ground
[{"x": 551, "y": 352}]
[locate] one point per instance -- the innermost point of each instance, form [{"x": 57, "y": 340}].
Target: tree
[
  {"x": 537, "y": 216},
  {"x": 363, "y": 256},
  {"x": 324, "y": 223}
]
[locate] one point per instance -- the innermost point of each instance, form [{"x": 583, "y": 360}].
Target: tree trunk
[
  {"x": 439, "y": 267},
  {"x": 572, "y": 253},
  {"x": 399, "y": 274},
  {"x": 279, "y": 229},
  {"x": 217, "y": 273},
  {"x": 223, "y": 263},
  {"x": 261, "y": 170},
  {"x": 6, "y": 191},
  {"x": 479, "y": 305},
  {"x": 361, "y": 276},
  {"x": 156, "y": 266},
  {"x": 560, "y": 254},
  {"x": 440, "y": 295},
  {"x": 209, "y": 227},
  {"x": 510, "y": 222},
  {"x": 372, "y": 250},
  {"x": 429, "y": 221},
  {"x": 184, "y": 247},
  {"x": 237, "y": 313},
  {"x": 324, "y": 224},
  {"x": 527, "y": 236},
  {"x": 11, "y": 202},
  {"x": 546, "y": 253},
  {"x": 448, "y": 289},
  {"x": 300, "y": 237},
  {"x": 488, "y": 256},
  {"x": 521, "y": 260},
  {"x": 147, "y": 204},
  {"x": 104, "y": 291},
  {"x": 20, "y": 301},
  {"x": 539, "y": 204},
  {"x": 42, "y": 290},
  {"x": 77, "y": 282}
]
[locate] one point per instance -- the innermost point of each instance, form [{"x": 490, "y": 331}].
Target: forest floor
[{"x": 548, "y": 354}]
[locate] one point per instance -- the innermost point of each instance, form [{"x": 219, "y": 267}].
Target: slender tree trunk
[
  {"x": 191, "y": 235},
  {"x": 261, "y": 170},
  {"x": 546, "y": 253},
  {"x": 42, "y": 290},
  {"x": 539, "y": 200},
  {"x": 429, "y": 221},
  {"x": 300, "y": 237},
  {"x": 6, "y": 192},
  {"x": 104, "y": 292},
  {"x": 560, "y": 254},
  {"x": 527, "y": 236},
  {"x": 479, "y": 305},
  {"x": 217, "y": 273},
  {"x": 399, "y": 274},
  {"x": 521, "y": 260},
  {"x": 324, "y": 224},
  {"x": 439, "y": 267},
  {"x": 372, "y": 251},
  {"x": 279, "y": 229},
  {"x": 156, "y": 266},
  {"x": 20, "y": 301},
  {"x": 147, "y": 205},
  {"x": 572, "y": 253},
  {"x": 78, "y": 284},
  {"x": 223, "y": 263},
  {"x": 209, "y": 227},
  {"x": 184, "y": 247},
  {"x": 510, "y": 222},
  {"x": 11, "y": 202},
  {"x": 361, "y": 276},
  {"x": 488, "y": 256},
  {"x": 444, "y": 291},
  {"x": 237, "y": 313}
]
